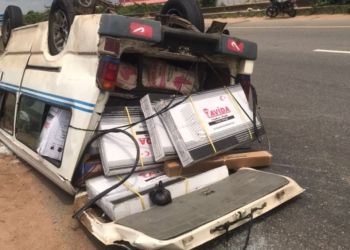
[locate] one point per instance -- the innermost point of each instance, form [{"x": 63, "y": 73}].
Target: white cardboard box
[
  {"x": 117, "y": 150},
  {"x": 54, "y": 133},
  {"x": 210, "y": 124},
  {"x": 162, "y": 145},
  {"x": 117, "y": 208},
  {"x": 139, "y": 181}
]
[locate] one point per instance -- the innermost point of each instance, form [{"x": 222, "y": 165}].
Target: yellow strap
[
  {"x": 134, "y": 191},
  {"x": 202, "y": 124},
  {"x": 239, "y": 111},
  {"x": 186, "y": 181},
  {"x": 133, "y": 132}
]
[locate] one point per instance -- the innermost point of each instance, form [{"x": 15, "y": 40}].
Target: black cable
[
  {"x": 250, "y": 225},
  {"x": 100, "y": 195},
  {"x": 228, "y": 224}
]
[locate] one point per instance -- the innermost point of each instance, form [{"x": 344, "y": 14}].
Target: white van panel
[
  {"x": 67, "y": 80},
  {"x": 74, "y": 88},
  {"x": 12, "y": 67},
  {"x": 17, "y": 149},
  {"x": 83, "y": 40},
  {"x": 21, "y": 40}
]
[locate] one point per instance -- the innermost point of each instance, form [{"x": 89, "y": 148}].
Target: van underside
[{"x": 197, "y": 217}]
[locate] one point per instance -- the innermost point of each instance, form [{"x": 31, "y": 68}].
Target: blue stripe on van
[
  {"x": 60, "y": 97},
  {"x": 10, "y": 85},
  {"x": 50, "y": 95},
  {"x": 9, "y": 89},
  {"x": 63, "y": 104}
]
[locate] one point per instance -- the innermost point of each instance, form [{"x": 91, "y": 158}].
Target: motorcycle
[{"x": 283, "y": 7}]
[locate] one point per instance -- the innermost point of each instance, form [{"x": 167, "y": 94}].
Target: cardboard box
[
  {"x": 162, "y": 146},
  {"x": 117, "y": 150},
  {"x": 209, "y": 123},
  {"x": 90, "y": 168},
  {"x": 162, "y": 75},
  {"x": 54, "y": 133},
  {"x": 174, "y": 168},
  {"x": 139, "y": 181},
  {"x": 119, "y": 208}
]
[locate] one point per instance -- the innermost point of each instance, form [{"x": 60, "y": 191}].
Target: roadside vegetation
[{"x": 36, "y": 17}]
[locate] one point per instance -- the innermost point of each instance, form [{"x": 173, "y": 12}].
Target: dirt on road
[{"x": 34, "y": 213}]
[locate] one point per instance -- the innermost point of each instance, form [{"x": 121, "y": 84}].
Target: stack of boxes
[{"x": 185, "y": 141}]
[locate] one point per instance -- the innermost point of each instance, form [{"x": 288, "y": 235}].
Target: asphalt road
[{"x": 304, "y": 97}]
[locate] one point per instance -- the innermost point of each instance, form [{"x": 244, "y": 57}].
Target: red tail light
[{"x": 107, "y": 73}]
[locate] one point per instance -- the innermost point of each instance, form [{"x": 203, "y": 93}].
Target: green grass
[{"x": 35, "y": 17}]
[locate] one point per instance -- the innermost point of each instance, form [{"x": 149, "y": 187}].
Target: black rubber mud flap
[
  {"x": 193, "y": 210},
  {"x": 13, "y": 18},
  {"x": 60, "y": 20},
  {"x": 186, "y": 9}
]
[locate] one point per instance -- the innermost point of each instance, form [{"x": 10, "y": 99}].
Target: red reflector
[
  {"x": 112, "y": 45},
  {"x": 141, "y": 30},
  {"x": 235, "y": 46}
]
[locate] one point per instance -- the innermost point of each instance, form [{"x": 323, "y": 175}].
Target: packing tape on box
[
  {"x": 186, "y": 182},
  {"x": 134, "y": 191},
  {"x": 133, "y": 132},
  {"x": 239, "y": 111},
  {"x": 203, "y": 127}
]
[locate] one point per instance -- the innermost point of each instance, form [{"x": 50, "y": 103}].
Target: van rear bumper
[{"x": 118, "y": 26}]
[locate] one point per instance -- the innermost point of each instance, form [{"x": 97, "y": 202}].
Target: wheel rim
[
  {"x": 85, "y": 3},
  {"x": 60, "y": 30},
  {"x": 270, "y": 12},
  {"x": 7, "y": 30}
]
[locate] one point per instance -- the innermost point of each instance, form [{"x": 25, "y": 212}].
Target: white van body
[{"x": 68, "y": 81}]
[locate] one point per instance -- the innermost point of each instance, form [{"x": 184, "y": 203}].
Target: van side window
[
  {"x": 7, "y": 110},
  {"x": 43, "y": 128}
]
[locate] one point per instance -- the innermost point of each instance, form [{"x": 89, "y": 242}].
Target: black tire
[
  {"x": 292, "y": 12},
  {"x": 12, "y": 19},
  {"x": 82, "y": 7},
  {"x": 87, "y": 3},
  {"x": 271, "y": 11},
  {"x": 60, "y": 20},
  {"x": 186, "y": 9}
]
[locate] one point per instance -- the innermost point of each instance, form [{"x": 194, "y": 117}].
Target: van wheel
[
  {"x": 186, "y": 9},
  {"x": 13, "y": 18},
  {"x": 82, "y": 7},
  {"x": 60, "y": 20}
]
